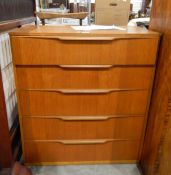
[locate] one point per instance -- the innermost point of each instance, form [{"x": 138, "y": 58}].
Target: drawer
[
  {"x": 82, "y": 103},
  {"x": 82, "y": 77},
  {"x": 97, "y": 127},
  {"x": 59, "y": 152},
  {"x": 109, "y": 51}
]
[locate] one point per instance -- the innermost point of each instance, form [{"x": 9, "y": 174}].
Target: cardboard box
[{"x": 111, "y": 12}]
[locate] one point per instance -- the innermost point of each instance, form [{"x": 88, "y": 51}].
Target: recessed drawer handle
[
  {"x": 83, "y": 142},
  {"x": 80, "y": 142},
  {"x": 84, "y": 91},
  {"x": 85, "y": 118},
  {"x": 82, "y": 118},
  {"x": 95, "y": 91},
  {"x": 100, "y": 91},
  {"x": 113, "y": 4},
  {"x": 75, "y": 38},
  {"x": 86, "y": 66}
]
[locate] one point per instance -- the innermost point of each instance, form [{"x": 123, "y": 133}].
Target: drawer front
[
  {"x": 44, "y": 152},
  {"x": 55, "y": 77},
  {"x": 82, "y": 103},
  {"x": 82, "y": 128},
  {"x": 41, "y": 51}
]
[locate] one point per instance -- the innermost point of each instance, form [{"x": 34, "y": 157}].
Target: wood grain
[
  {"x": 54, "y": 103},
  {"x": 5, "y": 142},
  {"x": 8, "y": 25},
  {"x": 165, "y": 145},
  {"x": 56, "y": 31},
  {"x": 156, "y": 153},
  {"x": 49, "y": 128},
  {"x": 56, "y": 52},
  {"x": 54, "y": 77},
  {"x": 56, "y": 152},
  {"x": 51, "y": 15},
  {"x": 89, "y": 92}
]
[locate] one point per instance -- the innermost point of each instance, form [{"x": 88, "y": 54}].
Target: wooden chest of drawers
[{"x": 83, "y": 97}]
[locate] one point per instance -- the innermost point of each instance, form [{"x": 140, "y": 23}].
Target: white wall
[{"x": 136, "y": 5}]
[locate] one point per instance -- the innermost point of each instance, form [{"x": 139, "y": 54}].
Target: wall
[{"x": 137, "y": 4}]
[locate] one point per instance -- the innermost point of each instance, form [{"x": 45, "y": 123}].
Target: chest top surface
[{"x": 57, "y": 31}]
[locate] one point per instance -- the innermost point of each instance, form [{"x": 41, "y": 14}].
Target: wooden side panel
[
  {"x": 165, "y": 148},
  {"x": 5, "y": 143},
  {"x": 155, "y": 159},
  {"x": 54, "y": 77},
  {"x": 41, "y": 51}
]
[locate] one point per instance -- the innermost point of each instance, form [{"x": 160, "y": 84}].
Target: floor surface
[{"x": 86, "y": 170}]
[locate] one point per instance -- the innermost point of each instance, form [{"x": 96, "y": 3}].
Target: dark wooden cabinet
[
  {"x": 5, "y": 143},
  {"x": 156, "y": 157}
]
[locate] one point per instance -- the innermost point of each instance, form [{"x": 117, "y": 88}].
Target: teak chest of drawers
[{"x": 83, "y": 97}]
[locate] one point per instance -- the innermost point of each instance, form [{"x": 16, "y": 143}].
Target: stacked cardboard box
[{"x": 111, "y": 12}]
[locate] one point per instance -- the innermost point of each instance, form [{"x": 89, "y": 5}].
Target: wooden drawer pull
[
  {"x": 84, "y": 91},
  {"x": 79, "y": 142},
  {"x": 86, "y": 66},
  {"x": 85, "y": 118},
  {"x": 100, "y": 91},
  {"x": 73, "y": 38},
  {"x": 87, "y": 142}
]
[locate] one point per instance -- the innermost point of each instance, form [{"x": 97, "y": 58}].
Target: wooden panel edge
[
  {"x": 82, "y": 163},
  {"x": 7, "y": 25},
  {"x": 5, "y": 142}
]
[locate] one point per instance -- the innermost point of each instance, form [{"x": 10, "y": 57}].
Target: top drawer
[{"x": 43, "y": 51}]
